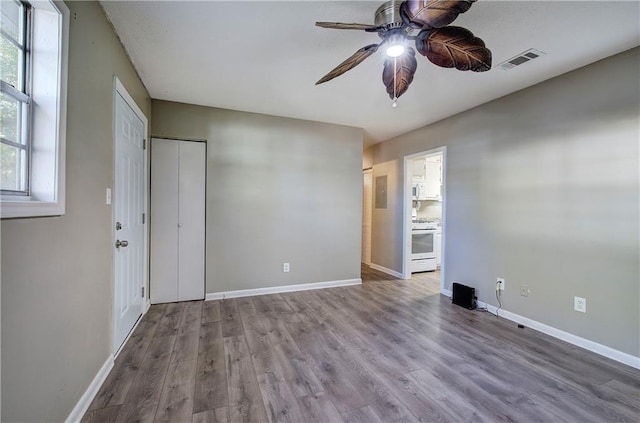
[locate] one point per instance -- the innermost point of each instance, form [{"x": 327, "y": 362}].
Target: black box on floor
[{"x": 464, "y": 296}]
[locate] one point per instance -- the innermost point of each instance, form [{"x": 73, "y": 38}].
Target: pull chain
[{"x": 395, "y": 74}]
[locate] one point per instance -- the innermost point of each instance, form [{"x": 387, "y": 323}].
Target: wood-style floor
[{"x": 385, "y": 351}]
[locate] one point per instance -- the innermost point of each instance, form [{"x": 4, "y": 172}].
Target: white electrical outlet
[
  {"x": 580, "y": 304},
  {"x": 285, "y": 267},
  {"x": 524, "y": 290},
  {"x": 500, "y": 284}
]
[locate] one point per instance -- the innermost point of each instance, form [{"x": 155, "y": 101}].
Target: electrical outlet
[
  {"x": 524, "y": 290},
  {"x": 285, "y": 267},
  {"x": 580, "y": 304},
  {"x": 500, "y": 284}
]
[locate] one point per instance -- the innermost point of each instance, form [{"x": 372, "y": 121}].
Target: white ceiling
[{"x": 265, "y": 56}]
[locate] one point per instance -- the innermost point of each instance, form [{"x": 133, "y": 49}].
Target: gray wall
[
  {"x": 278, "y": 190},
  {"x": 56, "y": 271},
  {"x": 542, "y": 189},
  {"x": 386, "y": 223}
]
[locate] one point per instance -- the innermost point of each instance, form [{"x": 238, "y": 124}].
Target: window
[
  {"x": 33, "y": 49},
  {"x": 14, "y": 101}
]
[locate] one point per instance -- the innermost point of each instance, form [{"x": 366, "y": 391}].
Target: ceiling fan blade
[
  {"x": 340, "y": 25},
  {"x": 454, "y": 47},
  {"x": 405, "y": 67},
  {"x": 429, "y": 14},
  {"x": 353, "y": 61}
]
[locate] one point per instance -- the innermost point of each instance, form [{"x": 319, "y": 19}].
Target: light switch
[{"x": 108, "y": 197}]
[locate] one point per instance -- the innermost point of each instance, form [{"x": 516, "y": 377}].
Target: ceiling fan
[{"x": 426, "y": 22}]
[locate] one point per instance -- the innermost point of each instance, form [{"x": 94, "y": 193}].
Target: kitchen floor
[
  {"x": 429, "y": 280},
  {"x": 388, "y": 350}
]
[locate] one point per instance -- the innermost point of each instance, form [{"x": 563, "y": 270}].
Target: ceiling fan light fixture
[
  {"x": 395, "y": 50},
  {"x": 396, "y": 45},
  {"x": 397, "y": 22}
]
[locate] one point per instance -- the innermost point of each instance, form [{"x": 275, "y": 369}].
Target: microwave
[{"x": 419, "y": 191}]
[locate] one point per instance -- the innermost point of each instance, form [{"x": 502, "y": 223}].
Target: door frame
[
  {"x": 406, "y": 213},
  {"x": 119, "y": 89}
]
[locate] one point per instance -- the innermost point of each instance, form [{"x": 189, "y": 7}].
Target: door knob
[{"x": 121, "y": 243}]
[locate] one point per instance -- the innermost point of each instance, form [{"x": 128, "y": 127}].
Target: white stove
[
  {"x": 423, "y": 253},
  {"x": 417, "y": 225}
]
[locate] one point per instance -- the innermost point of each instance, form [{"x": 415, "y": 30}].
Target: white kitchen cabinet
[
  {"x": 418, "y": 170},
  {"x": 177, "y": 220},
  {"x": 433, "y": 180}
]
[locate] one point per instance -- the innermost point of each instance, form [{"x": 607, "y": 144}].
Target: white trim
[
  {"x": 387, "y": 271},
  {"x": 595, "y": 347},
  {"x": 83, "y": 404},
  {"x": 406, "y": 213},
  {"x": 85, "y": 400},
  {"x": 50, "y": 198},
  {"x": 279, "y": 289},
  {"x": 214, "y": 296},
  {"x": 32, "y": 208},
  {"x": 119, "y": 89}
]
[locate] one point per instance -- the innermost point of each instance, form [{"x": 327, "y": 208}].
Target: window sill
[{"x": 30, "y": 208}]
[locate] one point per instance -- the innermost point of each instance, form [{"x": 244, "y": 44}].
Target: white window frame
[
  {"x": 21, "y": 94},
  {"x": 49, "y": 58}
]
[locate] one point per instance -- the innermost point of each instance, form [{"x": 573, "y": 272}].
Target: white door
[
  {"x": 163, "y": 221},
  {"x": 367, "y": 198},
  {"x": 191, "y": 220},
  {"x": 178, "y": 172},
  {"x": 129, "y": 198}
]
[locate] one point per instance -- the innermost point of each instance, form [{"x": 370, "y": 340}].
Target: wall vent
[{"x": 524, "y": 57}]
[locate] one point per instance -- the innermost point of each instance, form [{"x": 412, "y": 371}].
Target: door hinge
[
  {"x": 144, "y": 144},
  {"x": 143, "y": 292},
  {"x": 144, "y": 218}
]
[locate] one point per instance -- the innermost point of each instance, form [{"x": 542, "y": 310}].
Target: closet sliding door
[
  {"x": 191, "y": 200},
  {"x": 177, "y": 220}
]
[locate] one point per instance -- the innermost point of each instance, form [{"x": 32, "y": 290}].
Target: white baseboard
[
  {"x": 279, "y": 289},
  {"x": 214, "y": 296},
  {"x": 385, "y": 270},
  {"x": 603, "y": 350},
  {"x": 85, "y": 400}
]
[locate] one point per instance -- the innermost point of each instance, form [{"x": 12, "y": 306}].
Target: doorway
[
  {"x": 129, "y": 215},
  {"x": 424, "y": 214}
]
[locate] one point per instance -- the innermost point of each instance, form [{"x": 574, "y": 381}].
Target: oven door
[{"x": 423, "y": 243}]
